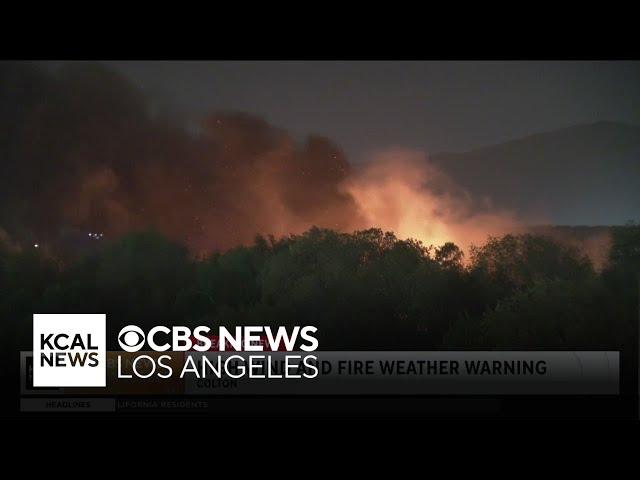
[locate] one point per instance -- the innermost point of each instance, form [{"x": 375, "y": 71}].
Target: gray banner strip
[
  {"x": 64, "y": 405},
  {"x": 430, "y": 373}
]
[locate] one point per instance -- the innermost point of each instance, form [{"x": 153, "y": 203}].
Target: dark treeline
[{"x": 366, "y": 290}]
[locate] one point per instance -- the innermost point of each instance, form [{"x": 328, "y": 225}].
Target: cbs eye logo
[{"x": 131, "y": 338}]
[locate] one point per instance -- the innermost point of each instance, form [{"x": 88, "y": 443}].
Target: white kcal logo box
[{"x": 69, "y": 350}]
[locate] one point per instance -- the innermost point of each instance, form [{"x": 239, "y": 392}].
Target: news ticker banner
[{"x": 354, "y": 373}]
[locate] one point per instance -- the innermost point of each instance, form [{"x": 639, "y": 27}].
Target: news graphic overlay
[
  {"x": 243, "y": 352},
  {"x": 69, "y": 350}
]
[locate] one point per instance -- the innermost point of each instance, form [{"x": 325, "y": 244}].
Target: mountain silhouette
[{"x": 581, "y": 175}]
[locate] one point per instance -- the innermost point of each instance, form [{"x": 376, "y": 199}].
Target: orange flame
[{"x": 400, "y": 191}]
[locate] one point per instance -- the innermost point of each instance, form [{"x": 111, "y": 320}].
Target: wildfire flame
[{"x": 400, "y": 191}]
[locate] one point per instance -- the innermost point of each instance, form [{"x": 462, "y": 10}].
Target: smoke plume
[
  {"x": 402, "y": 192},
  {"x": 82, "y": 149}
]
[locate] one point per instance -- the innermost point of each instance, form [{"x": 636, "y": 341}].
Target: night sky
[
  {"x": 213, "y": 153},
  {"x": 430, "y": 106}
]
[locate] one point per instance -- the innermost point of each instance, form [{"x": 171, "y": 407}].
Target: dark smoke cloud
[{"x": 81, "y": 148}]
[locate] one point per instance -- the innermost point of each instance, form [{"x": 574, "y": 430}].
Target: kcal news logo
[{"x": 69, "y": 350}]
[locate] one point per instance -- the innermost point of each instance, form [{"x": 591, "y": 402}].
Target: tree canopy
[{"x": 363, "y": 290}]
